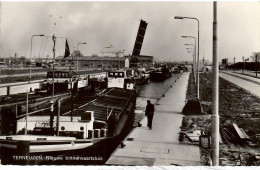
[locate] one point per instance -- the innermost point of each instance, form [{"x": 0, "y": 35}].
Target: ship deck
[{"x": 115, "y": 99}]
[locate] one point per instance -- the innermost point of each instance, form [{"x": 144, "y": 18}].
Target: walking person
[{"x": 149, "y": 112}]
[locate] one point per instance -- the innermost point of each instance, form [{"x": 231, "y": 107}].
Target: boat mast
[
  {"x": 25, "y": 132},
  {"x": 52, "y": 102},
  {"x": 54, "y": 42},
  {"x": 71, "y": 108},
  {"x": 58, "y": 119},
  {"x": 71, "y": 90}
]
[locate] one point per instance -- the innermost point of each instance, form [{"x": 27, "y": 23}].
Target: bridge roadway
[{"x": 160, "y": 146}]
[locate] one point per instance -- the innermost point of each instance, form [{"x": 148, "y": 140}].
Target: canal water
[{"x": 152, "y": 91}]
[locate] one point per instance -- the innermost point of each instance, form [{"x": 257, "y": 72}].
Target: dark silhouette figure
[{"x": 149, "y": 112}]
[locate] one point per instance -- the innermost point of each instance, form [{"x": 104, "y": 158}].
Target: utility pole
[
  {"x": 256, "y": 65},
  {"x": 215, "y": 115},
  {"x": 243, "y": 64},
  {"x": 234, "y": 64}
]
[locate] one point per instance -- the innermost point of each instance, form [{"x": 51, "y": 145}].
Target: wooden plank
[{"x": 241, "y": 134}]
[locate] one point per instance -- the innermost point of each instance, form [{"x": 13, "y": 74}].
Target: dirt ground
[{"x": 236, "y": 106}]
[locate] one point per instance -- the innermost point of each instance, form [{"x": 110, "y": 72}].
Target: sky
[{"x": 101, "y": 24}]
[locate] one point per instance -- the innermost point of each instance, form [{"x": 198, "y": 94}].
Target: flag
[
  {"x": 67, "y": 49},
  {"x": 247, "y": 59}
]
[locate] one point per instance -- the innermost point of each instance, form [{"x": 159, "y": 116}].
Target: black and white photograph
[{"x": 130, "y": 83}]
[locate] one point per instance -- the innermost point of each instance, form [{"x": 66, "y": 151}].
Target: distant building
[
  {"x": 5, "y": 61},
  {"x": 102, "y": 62},
  {"x": 144, "y": 59},
  {"x": 93, "y": 62}
]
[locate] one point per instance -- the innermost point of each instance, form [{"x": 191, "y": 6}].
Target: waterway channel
[{"x": 152, "y": 91}]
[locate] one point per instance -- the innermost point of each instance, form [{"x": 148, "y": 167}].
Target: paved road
[
  {"x": 248, "y": 83},
  {"x": 247, "y": 72},
  {"x": 160, "y": 146}
]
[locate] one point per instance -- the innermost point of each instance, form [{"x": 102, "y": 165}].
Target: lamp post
[
  {"x": 189, "y": 44},
  {"x": 194, "y": 58},
  {"x": 188, "y": 49},
  {"x": 40, "y": 35},
  {"x": 180, "y": 17},
  {"x": 78, "y": 55}
]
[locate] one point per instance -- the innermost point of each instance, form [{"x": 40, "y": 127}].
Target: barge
[
  {"x": 160, "y": 73},
  {"x": 92, "y": 130}
]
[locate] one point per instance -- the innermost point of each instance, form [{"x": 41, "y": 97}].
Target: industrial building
[{"x": 103, "y": 62}]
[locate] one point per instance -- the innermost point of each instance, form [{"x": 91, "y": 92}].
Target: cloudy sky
[{"x": 101, "y": 24}]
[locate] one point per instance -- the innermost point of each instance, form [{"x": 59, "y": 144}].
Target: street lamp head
[
  {"x": 82, "y": 43},
  {"x": 188, "y": 37},
  {"x": 178, "y": 17},
  {"x": 39, "y": 35}
]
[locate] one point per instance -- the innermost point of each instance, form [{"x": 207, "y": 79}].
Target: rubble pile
[{"x": 239, "y": 123}]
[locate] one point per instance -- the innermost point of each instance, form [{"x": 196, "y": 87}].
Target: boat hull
[
  {"x": 93, "y": 151},
  {"x": 141, "y": 80},
  {"x": 17, "y": 152},
  {"x": 159, "y": 76}
]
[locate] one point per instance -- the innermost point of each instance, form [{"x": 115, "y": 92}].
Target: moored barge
[
  {"x": 94, "y": 129},
  {"x": 160, "y": 73}
]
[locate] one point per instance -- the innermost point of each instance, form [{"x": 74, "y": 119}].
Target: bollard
[{"x": 97, "y": 133}]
